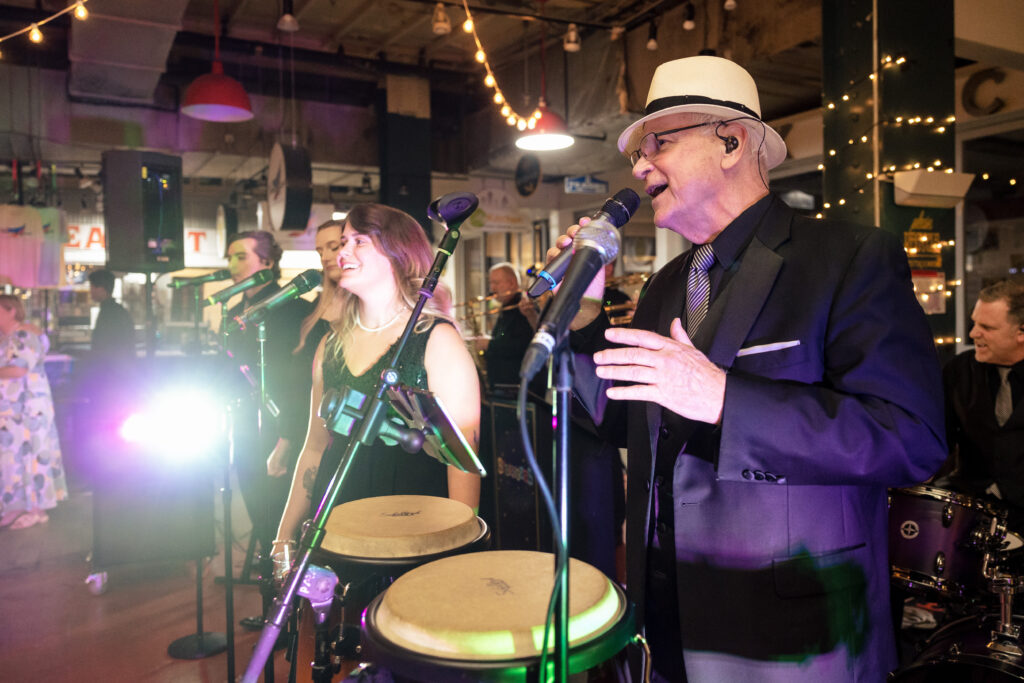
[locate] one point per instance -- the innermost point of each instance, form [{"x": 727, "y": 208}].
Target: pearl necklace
[{"x": 364, "y": 328}]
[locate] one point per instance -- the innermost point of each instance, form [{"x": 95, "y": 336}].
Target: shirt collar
[{"x": 731, "y": 242}]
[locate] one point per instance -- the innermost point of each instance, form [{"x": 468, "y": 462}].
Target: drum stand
[{"x": 1006, "y": 638}]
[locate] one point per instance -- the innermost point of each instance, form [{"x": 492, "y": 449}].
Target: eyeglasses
[{"x": 651, "y": 143}]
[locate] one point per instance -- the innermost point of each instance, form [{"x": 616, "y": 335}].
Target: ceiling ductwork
[{"x": 119, "y": 54}]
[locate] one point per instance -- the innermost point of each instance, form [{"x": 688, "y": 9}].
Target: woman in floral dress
[{"x": 31, "y": 472}]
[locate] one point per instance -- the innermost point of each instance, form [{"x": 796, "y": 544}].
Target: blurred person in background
[{"x": 31, "y": 472}]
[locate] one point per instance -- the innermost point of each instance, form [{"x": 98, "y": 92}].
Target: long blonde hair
[
  {"x": 326, "y": 298},
  {"x": 401, "y": 240}
]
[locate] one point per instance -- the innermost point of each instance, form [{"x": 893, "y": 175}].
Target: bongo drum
[
  {"x": 369, "y": 542},
  {"x": 480, "y": 616}
]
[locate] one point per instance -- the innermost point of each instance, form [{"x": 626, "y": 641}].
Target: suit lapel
[{"x": 721, "y": 335}]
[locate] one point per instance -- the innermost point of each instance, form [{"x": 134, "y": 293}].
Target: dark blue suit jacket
[{"x": 833, "y": 394}]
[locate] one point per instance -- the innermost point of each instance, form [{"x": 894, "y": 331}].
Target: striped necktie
[
  {"x": 698, "y": 288},
  {"x": 1004, "y": 397}
]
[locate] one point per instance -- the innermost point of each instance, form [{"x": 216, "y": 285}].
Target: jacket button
[
  {"x": 747, "y": 474},
  {"x": 758, "y": 475},
  {"x": 768, "y": 476},
  {"x": 647, "y": 485},
  {"x": 665, "y": 432}
]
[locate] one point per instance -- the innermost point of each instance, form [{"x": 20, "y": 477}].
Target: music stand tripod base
[{"x": 198, "y": 646}]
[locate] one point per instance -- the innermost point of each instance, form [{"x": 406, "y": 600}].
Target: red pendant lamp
[
  {"x": 545, "y": 130},
  {"x": 215, "y": 96}
]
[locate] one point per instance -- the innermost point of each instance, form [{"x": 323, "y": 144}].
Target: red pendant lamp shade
[
  {"x": 548, "y": 133},
  {"x": 215, "y": 96}
]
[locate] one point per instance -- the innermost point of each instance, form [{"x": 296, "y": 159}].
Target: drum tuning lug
[
  {"x": 947, "y": 515},
  {"x": 940, "y": 562}
]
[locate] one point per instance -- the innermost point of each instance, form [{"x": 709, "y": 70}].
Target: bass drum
[{"x": 959, "y": 652}]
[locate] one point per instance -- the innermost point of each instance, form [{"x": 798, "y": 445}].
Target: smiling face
[
  {"x": 362, "y": 265},
  {"x": 684, "y": 177},
  {"x": 998, "y": 339},
  {"x": 328, "y": 243}
]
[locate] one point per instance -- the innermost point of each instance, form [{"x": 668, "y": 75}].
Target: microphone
[
  {"x": 300, "y": 284},
  {"x": 595, "y": 246},
  {"x": 261, "y": 277},
  {"x": 179, "y": 282},
  {"x": 615, "y": 213}
]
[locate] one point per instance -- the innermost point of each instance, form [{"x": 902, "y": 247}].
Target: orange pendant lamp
[{"x": 216, "y": 96}]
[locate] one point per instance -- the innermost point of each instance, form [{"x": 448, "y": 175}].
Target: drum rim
[
  {"x": 949, "y": 496},
  {"x": 326, "y": 556},
  {"x": 582, "y": 656}
]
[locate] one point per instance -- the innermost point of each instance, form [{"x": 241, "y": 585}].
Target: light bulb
[
  {"x": 498, "y": 98},
  {"x": 467, "y": 25},
  {"x": 729, "y": 5},
  {"x": 480, "y": 56},
  {"x": 80, "y": 11},
  {"x": 506, "y": 110},
  {"x": 35, "y": 35},
  {"x": 489, "y": 81}
]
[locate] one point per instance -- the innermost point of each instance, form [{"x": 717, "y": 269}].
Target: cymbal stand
[{"x": 369, "y": 429}]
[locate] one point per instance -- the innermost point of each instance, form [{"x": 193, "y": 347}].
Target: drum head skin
[
  {"x": 399, "y": 527},
  {"x": 491, "y": 606}
]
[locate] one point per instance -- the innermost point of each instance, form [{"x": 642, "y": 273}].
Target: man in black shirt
[
  {"x": 113, "y": 337},
  {"x": 512, "y": 331},
  {"x": 984, "y": 417},
  {"x": 288, "y": 384}
]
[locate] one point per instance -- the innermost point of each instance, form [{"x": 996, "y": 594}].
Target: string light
[
  {"x": 512, "y": 118},
  {"x": 35, "y": 33}
]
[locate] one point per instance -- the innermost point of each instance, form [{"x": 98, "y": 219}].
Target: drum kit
[
  {"x": 405, "y": 583},
  {"x": 956, "y": 549}
]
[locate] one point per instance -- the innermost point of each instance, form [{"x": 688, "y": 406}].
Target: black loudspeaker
[{"x": 142, "y": 211}]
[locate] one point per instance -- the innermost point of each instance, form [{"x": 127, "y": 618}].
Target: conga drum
[
  {"x": 480, "y": 616},
  {"x": 369, "y": 542}
]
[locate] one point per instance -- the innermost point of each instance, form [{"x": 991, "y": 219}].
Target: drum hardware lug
[
  {"x": 888, "y": 502},
  {"x": 947, "y": 515},
  {"x": 940, "y": 562}
]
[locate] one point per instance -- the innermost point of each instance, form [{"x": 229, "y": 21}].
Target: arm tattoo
[{"x": 308, "y": 478}]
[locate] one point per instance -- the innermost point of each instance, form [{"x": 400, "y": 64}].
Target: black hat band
[{"x": 679, "y": 100}]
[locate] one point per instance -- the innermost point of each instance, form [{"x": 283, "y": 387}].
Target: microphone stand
[
  {"x": 229, "y": 538},
  {"x": 369, "y": 430},
  {"x": 562, "y": 368}
]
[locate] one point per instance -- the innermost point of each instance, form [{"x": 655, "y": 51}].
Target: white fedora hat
[{"x": 708, "y": 85}]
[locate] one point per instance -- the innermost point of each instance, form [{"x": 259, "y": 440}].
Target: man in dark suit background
[
  {"x": 762, "y": 440},
  {"x": 984, "y": 386}
]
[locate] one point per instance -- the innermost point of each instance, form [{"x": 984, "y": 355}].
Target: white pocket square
[{"x": 765, "y": 348}]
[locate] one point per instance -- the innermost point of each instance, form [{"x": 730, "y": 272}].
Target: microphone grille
[
  {"x": 622, "y": 206},
  {"x": 307, "y": 280}
]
